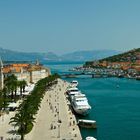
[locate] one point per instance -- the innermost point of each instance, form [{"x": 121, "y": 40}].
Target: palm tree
[
  {"x": 13, "y": 88},
  {"x": 11, "y": 84},
  {"x": 19, "y": 120},
  {"x": 22, "y": 120},
  {"x": 3, "y": 99},
  {"x": 22, "y": 84},
  {"x": 29, "y": 107}
]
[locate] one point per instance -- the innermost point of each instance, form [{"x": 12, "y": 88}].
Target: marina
[{"x": 113, "y": 99}]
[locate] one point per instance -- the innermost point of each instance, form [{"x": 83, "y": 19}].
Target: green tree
[
  {"x": 3, "y": 99},
  {"x": 22, "y": 84},
  {"x": 11, "y": 84},
  {"x": 24, "y": 118}
]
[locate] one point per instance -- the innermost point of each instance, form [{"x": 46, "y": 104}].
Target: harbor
[{"x": 112, "y": 101}]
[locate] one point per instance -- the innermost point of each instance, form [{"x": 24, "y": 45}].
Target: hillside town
[{"x": 122, "y": 65}]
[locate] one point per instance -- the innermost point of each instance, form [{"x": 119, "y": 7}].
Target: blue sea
[{"x": 115, "y": 104}]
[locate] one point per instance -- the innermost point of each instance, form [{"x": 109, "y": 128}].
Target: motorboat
[
  {"x": 74, "y": 83},
  {"x": 87, "y": 123},
  {"x": 90, "y": 138}
]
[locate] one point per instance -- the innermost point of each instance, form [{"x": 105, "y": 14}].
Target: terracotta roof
[
  {"x": 20, "y": 65},
  {"x": 17, "y": 68},
  {"x": 12, "y": 69},
  {"x": 6, "y": 69},
  {"x": 34, "y": 67}
]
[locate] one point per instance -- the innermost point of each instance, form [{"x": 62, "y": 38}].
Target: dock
[{"x": 55, "y": 120}]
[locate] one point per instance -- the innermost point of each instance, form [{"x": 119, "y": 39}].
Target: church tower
[
  {"x": 1, "y": 75},
  {"x": 37, "y": 62}
]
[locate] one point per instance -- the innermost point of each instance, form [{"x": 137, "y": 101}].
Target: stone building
[{"x": 31, "y": 73}]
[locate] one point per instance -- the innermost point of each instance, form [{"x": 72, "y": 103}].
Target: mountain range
[{"x": 77, "y": 56}]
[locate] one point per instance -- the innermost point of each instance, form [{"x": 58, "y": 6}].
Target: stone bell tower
[{"x": 1, "y": 75}]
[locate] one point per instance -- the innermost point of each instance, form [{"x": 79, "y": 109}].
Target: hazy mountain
[
  {"x": 51, "y": 57},
  {"x": 23, "y": 56},
  {"x": 88, "y": 55},
  {"x": 15, "y": 55},
  {"x": 75, "y": 56}
]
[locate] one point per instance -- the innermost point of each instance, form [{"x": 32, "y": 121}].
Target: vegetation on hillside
[
  {"x": 130, "y": 56},
  {"x": 124, "y": 57}
]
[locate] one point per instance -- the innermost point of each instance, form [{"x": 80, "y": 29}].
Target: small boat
[
  {"x": 87, "y": 123},
  {"x": 90, "y": 138},
  {"x": 74, "y": 83}
]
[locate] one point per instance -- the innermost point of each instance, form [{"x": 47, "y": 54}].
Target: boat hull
[
  {"x": 87, "y": 123},
  {"x": 94, "y": 126},
  {"x": 83, "y": 111}
]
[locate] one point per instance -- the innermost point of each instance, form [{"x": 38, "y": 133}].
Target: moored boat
[
  {"x": 80, "y": 104},
  {"x": 74, "y": 83},
  {"x": 90, "y": 138},
  {"x": 87, "y": 123}
]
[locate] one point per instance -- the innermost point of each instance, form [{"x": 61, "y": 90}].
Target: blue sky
[{"x": 62, "y": 26}]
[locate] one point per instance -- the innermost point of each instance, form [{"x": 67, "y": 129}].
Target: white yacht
[
  {"x": 80, "y": 104},
  {"x": 73, "y": 91},
  {"x": 74, "y": 83}
]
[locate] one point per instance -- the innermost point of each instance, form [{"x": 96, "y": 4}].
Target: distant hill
[
  {"x": 23, "y": 56},
  {"x": 88, "y": 55},
  {"x": 49, "y": 56},
  {"x": 15, "y": 55},
  {"x": 130, "y": 56}
]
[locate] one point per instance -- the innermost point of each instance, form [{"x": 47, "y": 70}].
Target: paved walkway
[
  {"x": 55, "y": 120},
  {"x": 5, "y": 128}
]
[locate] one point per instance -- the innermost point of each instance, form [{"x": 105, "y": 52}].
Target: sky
[{"x": 63, "y": 26}]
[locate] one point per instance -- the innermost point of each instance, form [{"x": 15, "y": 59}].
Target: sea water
[{"x": 115, "y": 105}]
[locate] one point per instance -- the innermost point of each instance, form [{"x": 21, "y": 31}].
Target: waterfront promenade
[{"x": 54, "y": 120}]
